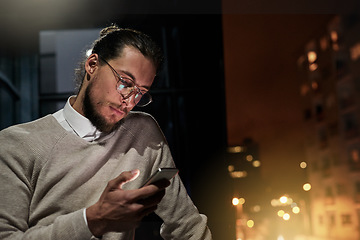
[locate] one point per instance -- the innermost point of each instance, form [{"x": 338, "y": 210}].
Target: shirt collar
[{"x": 80, "y": 124}]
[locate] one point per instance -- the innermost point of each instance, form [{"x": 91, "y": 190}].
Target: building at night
[{"x": 329, "y": 71}]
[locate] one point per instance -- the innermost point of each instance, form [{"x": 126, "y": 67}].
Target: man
[{"x": 77, "y": 174}]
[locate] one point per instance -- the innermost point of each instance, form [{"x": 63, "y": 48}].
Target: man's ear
[{"x": 91, "y": 63}]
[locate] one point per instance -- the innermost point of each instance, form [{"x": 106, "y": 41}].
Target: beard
[{"x": 95, "y": 118}]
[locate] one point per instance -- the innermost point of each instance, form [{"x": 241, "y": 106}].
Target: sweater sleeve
[
  {"x": 17, "y": 178},
  {"x": 182, "y": 219}
]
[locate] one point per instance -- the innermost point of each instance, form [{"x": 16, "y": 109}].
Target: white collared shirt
[{"x": 74, "y": 122}]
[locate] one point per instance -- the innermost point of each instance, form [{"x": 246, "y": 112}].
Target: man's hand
[{"x": 119, "y": 210}]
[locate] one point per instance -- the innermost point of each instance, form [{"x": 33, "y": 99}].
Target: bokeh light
[
  {"x": 307, "y": 187},
  {"x": 286, "y": 217},
  {"x": 250, "y": 223},
  {"x": 303, "y": 165}
]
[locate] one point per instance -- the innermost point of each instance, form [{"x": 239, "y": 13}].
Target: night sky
[{"x": 262, "y": 88}]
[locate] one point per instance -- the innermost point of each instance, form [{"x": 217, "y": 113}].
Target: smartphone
[{"x": 161, "y": 173}]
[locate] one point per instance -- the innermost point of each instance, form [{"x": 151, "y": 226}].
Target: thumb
[{"x": 125, "y": 177}]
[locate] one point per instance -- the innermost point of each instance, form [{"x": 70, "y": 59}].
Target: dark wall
[{"x": 189, "y": 104}]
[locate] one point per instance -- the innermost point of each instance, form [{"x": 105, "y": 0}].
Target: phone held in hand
[{"x": 161, "y": 173}]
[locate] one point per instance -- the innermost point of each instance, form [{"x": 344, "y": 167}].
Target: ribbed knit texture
[{"x": 48, "y": 176}]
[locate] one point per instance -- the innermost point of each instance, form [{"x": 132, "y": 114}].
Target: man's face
[{"x": 102, "y": 103}]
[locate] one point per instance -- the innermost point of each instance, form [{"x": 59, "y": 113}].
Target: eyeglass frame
[{"x": 120, "y": 78}]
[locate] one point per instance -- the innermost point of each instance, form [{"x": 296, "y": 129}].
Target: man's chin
[{"x": 109, "y": 127}]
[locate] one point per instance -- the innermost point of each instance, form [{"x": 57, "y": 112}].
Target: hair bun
[{"x": 107, "y": 30}]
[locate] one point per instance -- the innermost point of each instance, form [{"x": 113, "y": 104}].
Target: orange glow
[
  {"x": 314, "y": 85},
  {"x": 249, "y": 158},
  {"x": 238, "y": 174},
  {"x": 355, "y": 52},
  {"x": 313, "y": 66},
  {"x": 304, "y": 89},
  {"x": 235, "y": 149},
  {"x": 334, "y": 36},
  {"x": 355, "y": 155},
  {"x": 312, "y": 56},
  {"x": 256, "y": 163},
  {"x": 324, "y": 43}
]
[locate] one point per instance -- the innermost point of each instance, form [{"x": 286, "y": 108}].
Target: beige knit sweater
[{"x": 48, "y": 176}]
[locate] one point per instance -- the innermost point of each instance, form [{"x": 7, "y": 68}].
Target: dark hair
[{"x": 113, "y": 40}]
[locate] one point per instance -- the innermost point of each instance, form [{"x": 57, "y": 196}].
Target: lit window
[
  {"x": 346, "y": 219},
  {"x": 331, "y": 218},
  {"x": 329, "y": 192}
]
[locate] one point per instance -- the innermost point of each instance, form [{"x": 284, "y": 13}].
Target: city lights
[
  {"x": 296, "y": 210},
  {"x": 286, "y": 217},
  {"x": 249, "y": 158},
  {"x": 284, "y": 199},
  {"x": 307, "y": 187},
  {"x": 312, "y": 56},
  {"x": 256, "y": 208},
  {"x": 313, "y": 67},
  {"x": 235, "y": 149},
  {"x": 236, "y": 201},
  {"x": 250, "y": 223},
  {"x": 281, "y": 213},
  {"x": 334, "y": 36},
  {"x": 303, "y": 165},
  {"x": 256, "y": 163},
  {"x": 314, "y": 85},
  {"x": 238, "y": 174}
]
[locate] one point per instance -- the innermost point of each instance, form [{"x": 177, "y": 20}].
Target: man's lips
[{"x": 117, "y": 110}]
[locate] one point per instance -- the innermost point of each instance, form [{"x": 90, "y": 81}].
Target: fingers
[
  {"x": 123, "y": 178},
  {"x": 152, "y": 200},
  {"x": 151, "y": 189}
]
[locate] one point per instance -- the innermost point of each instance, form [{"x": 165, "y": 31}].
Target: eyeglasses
[{"x": 127, "y": 88}]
